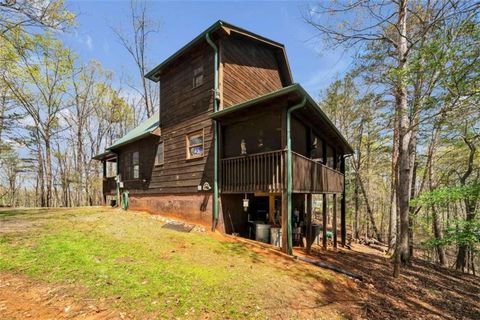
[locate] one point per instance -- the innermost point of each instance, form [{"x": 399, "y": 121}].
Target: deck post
[
  {"x": 343, "y": 220},
  {"x": 104, "y": 162},
  {"x": 324, "y": 222},
  {"x": 283, "y": 168},
  {"x": 334, "y": 220},
  {"x": 309, "y": 222}
]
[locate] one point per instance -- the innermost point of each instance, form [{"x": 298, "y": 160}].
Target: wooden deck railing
[
  {"x": 256, "y": 172},
  {"x": 264, "y": 172},
  {"x": 312, "y": 176}
]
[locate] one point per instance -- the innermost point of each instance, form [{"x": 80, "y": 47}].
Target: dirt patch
[
  {"x": 16, "y": 226},
  {"x": 23, "y": 298}
]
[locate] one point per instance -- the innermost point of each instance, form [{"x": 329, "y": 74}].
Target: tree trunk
[
  {"x": 356, "y": 230},
  {"x": 461, "y": 261},
  {"x": 369, "y": 209},
  {"x": 470, "y": 205},
  {"x": 392, "y": 228},
  {"x": 402, "y": 256},
  {"x": 48, "y": 171}
]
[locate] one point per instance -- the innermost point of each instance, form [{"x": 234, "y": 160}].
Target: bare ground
[
  {"x": 423, "y": 291},
  {"x": 23, "y": 298}
]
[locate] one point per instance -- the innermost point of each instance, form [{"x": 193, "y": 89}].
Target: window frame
[
  {"x": 198, "y": 73},
  {"x": 157, "y": 163},
  {"x": 137, "y": 164},
  {"x": 201, "y": 133}
]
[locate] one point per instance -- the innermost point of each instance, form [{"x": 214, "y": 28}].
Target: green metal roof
[
  {"x": 151, "y": 74},
  {"x": 283, "y": 91},
  {"x": 142, "y": 130}
]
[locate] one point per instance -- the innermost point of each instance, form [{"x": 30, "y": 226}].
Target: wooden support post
[
  {"x": 104, "y": 162},
  {"x": 334, "y": 220},
  {"x": 324, "y": 222},
  {"x": 309, "y": 222},
  {"x": 284, "y": 222},
  {"x": 271, "y": 209},
  {"x": 284, "y": 217},
  {"x": 343, "y": 214}
]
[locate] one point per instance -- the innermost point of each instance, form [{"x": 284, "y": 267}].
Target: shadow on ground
[{"x": 423, "y": 291}]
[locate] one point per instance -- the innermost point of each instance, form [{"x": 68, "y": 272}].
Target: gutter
[
  {"x": 215, "y": 133},
  {"x": 289, "y": 173}
]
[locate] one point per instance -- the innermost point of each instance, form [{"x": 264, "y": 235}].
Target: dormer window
[{"x": 197, "y": 76}]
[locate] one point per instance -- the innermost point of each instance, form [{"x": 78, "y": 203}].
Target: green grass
[{"x": 128, "y": 258}]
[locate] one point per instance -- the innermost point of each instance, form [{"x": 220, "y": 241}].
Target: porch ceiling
[{"x": 288, "y": 96}]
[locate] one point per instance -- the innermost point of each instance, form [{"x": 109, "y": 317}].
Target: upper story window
[
  {"x": 195, "y": 145},
  {"x": 159, "y": 157},
  {"x": 197, "y": 76},
  {"x": 317, "y": 149},
  {"x": 135, "y": 165},
  {"x": 330, "y": 157}
]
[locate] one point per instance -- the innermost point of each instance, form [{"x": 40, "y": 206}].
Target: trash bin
[{"x": 262, "y": 232}]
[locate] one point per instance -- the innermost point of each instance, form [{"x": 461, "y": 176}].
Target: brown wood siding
[
  {"x": 146, "y": 148},
  {"x": 250, "y": 70},
  {"x": 184, "y": 110}
]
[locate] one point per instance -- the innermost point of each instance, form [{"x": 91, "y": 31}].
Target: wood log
[{"x": 330, "y": 267}]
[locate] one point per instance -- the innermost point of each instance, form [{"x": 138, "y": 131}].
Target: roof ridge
[{"x": 215, "y": 26}]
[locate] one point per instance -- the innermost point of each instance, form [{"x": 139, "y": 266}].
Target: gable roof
[
  {"x": 142, "y": 130},
  {"x": 294, "y": 92},
  {"x": 228, "y": 28}
]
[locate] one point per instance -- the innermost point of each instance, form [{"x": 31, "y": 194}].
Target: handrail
[
  {"x": 252, "y": 155},
  {"x": 317, "y": 162},
  {"x": 265, "y": 172}
]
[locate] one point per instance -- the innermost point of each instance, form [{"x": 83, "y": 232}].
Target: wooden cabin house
[{"x": 236, "y": 145}]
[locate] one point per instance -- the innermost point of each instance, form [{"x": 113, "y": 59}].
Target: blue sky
[{"x": 312, "y": 66}]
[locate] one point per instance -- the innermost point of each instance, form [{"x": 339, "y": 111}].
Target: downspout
[
  {"x": 289, "y": 174},
  {"x": 215, "y": 132}
]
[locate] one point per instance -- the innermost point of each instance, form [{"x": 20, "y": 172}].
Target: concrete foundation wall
[{"x": 195, "y": 208}]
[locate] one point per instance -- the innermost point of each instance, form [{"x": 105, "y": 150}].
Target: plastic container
[
  {"x": 262, "y": 232},
  {"x": 276, "y": 237}
]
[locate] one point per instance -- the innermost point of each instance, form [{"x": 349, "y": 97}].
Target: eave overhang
[{"x": 218, "y": 27}]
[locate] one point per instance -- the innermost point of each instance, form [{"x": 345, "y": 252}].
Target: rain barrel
[
  {"x": 276, "y": 237},
  {"x": 262, "y": 232}
]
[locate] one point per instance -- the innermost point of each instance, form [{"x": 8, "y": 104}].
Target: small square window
[
  {"x": 195, "y": 145},
  {"x": 159, "y": 158},
  {"x": 197, "y": 76}
]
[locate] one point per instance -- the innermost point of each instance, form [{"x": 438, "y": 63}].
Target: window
[
  {"x": 195, "y": 145},
  {"x": 197, "y": 76},
  {"x": 330, "y": 157},
  {"x": 159, "y": 157},
  {"x": 136, "y": 165},
  {"x": 127, "y": 166},
  {"x": 317, "y": 149}
]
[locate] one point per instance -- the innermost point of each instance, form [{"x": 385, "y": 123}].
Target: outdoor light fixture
[{"x": 245, "y": 204}]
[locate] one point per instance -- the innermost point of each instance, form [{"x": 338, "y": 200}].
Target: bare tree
[
  {"x": 135, "y": 42},
  {"x": 400, "y": 25},
  {"x": 33, "y": 13}
]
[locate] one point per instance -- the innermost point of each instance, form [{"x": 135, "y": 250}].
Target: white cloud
[
  {"x": 89, "y": 42},
  {"x": 84, "y": 40}
]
